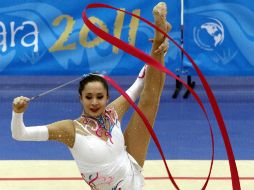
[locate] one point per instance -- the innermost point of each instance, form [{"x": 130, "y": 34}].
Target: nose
[{"x": 94, "y": 101}]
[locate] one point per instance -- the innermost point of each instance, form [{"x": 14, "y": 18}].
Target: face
[{"x": 94, "y": 99}]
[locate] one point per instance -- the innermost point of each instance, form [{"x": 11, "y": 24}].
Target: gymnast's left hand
[
  {"x": 163, "y": 47},
  {"x": 20, "y": 104}
]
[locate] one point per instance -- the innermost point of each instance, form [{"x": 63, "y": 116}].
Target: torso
[
  {"x": 100, "y": 154},
  {"x": 99, "y": 151},
  {"x": 93, "y": 144}
]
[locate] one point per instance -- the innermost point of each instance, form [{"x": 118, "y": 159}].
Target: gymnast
[{"x": 107, "y": 159}]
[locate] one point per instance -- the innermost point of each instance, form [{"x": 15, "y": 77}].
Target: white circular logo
[{"x": 209, "y": 35}]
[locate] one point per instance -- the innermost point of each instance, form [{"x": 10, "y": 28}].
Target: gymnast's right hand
[{"x": 20, "y": 104}]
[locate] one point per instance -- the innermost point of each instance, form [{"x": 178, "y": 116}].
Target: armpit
[{"x": 62, "y": 131}]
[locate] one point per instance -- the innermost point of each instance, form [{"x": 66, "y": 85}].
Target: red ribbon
[{"x": 151, "y": 61}]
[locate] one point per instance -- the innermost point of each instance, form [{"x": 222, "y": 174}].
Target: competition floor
[
  {"x": 180, "y": 126},
  {"x": 189, "y": 175}
]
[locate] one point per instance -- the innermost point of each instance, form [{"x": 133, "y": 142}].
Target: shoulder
[
  {"x": 62, "y": 125},
  {"x": 62, "y": 131}
]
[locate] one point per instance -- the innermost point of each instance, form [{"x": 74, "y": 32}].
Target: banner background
[
  {"x": 49, "y": 37},
  {"x": 219, "y": 36}
]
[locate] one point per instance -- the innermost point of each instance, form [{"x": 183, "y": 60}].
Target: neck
[{"x": 95, "y": 117}]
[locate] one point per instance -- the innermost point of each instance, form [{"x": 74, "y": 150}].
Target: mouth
[{"x": 94, "y": 110}]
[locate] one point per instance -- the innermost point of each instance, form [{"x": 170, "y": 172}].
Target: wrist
[{"x": 17, "y": 114}]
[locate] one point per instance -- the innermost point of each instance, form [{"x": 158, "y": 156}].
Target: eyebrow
[{"x": 100, "y": 93}]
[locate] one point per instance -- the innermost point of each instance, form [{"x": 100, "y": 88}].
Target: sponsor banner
[
  {"x": 50, "y": 38},
  {"x": 219, "y": 37}
]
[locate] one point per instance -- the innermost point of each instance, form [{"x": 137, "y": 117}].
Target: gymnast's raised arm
[{"x": 121, "y": 105}]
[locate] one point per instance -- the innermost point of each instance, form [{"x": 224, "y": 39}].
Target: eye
[
  {"x": 100, "y": 97},
  {"x": 88, "y": 97}
]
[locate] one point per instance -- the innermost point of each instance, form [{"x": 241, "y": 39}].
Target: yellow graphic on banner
[{"x": 63, "y": 43}]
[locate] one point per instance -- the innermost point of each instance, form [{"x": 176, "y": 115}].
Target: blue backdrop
[
  {"x": 49, "y": 37},
  {"x": 219, "y": 36}
]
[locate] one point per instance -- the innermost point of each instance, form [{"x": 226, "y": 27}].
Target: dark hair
[{"x": 92, "y": 78}]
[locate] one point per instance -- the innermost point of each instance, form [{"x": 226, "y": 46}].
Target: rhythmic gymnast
[{"x": 106, "y": 158}]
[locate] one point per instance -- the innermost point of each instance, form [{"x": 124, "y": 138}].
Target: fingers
[
  {"x": 163, "y": 48},
  {"x": 20, "y": 104},
  {"x": 21, "y": 100}
]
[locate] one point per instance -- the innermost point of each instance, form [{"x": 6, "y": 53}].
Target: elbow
[{"x": 17, "y": 137}]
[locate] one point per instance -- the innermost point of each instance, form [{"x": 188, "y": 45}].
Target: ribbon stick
[
  {"x": 56, "y": 88},
  {"x": 151, "y": 61}
]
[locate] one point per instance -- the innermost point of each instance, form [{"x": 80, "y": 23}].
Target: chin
[{"x": 95, "y": 114}]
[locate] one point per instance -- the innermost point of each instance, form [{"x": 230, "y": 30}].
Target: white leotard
[{"x": 106, "y": 165}]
